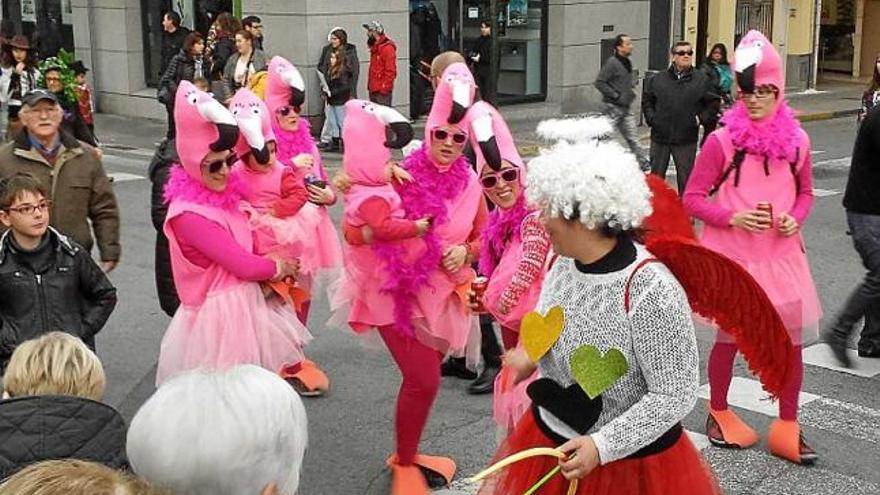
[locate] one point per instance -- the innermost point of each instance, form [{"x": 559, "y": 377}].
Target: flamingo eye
[{"x": 192, "y": 97}]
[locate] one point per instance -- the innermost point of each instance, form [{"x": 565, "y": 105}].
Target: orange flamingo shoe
[
  {"x": 786, "y": 441},
  {"x": 308, "y": 380},
  {"x": 407, "y": 480},
  {"x": 725, "y": 429}
]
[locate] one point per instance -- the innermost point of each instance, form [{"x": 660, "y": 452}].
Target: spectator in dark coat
[
  {"x": 243, "y": 64},
  {"x": 221, "y": 43},
  {"x": 383, "y": 64},
  {"x": 339, "y": 80},
  {"x": 47, "y": 281},
  {"x": 335, "y": 39},
  {"x": 173, "y": 35},
  {"x": 187, "y": 65},
  {"x": 481, "y": 62},
  {"x": 51, "y": 407},
  {"x": 675, "y": 102},
  {"x": 616, "y": 82},
  {"x": 160, "y": 167},
  {"x": 863, "y": 217}
]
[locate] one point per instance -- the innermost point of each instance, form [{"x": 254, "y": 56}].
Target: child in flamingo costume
[
  {"x": 322, "y": 255},
  {"x": 761, "y": 155},
  {"x": 223, "y": 319},
  {"x": 273, "y": 195},
  {"x": 377, "y": 297}
]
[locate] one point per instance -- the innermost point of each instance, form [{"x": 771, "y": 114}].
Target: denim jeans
[
  {"x": 865, "y": 299},
  {"x": 626, "y": 124},
  {"x": 326, "y": 137},
  {"x": 336, "y": 118}
]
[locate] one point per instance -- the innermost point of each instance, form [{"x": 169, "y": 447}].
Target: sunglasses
[
  {"x": 682, "y": 53},
  {"x": 443, "y": 134},
  {"x": 491, "y": 180},
  {"x": 217, "y": 165},
  {"x": 285, "y": 111}
]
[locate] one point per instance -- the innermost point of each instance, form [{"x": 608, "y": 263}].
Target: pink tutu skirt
[
  {"x": 233, "y": 326},
  {"x": 509, "y": 400},
  {"x": 789, "y": 284}
]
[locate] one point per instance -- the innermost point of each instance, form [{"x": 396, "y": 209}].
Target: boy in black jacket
[{"x": 47, "y": 281}]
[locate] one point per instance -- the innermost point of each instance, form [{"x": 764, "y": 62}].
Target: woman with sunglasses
[
  {"x": 446, "y": 189},
  {"x": 515, "y": 249},
  {"x": 224, "y": 318},
  {"x": 321, "y": 261},
  {"x": 758, "y": 171}
]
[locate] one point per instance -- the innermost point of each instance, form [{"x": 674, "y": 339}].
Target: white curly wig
[{"x": 593, "y": 180}]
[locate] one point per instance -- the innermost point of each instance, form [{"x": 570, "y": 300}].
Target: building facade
[{"x": 849, "y": 40}]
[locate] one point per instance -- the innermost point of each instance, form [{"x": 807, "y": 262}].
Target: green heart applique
[{"x": 594, "y": 372}]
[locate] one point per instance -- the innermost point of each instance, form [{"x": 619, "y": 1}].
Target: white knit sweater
[{"x": 657, "y": 339}]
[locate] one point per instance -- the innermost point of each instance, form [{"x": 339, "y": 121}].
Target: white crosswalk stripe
[
  {"x": 124, "y": 177},
  {"x": 820, "y": 355}
]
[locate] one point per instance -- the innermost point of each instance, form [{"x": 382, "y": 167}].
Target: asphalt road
[{"x": 350, "y": 430}]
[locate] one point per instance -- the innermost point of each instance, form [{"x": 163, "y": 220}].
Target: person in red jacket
[{"x": 383, "y": 63}]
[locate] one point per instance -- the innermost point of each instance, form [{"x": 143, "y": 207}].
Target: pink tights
[
  {"x": 420, "y": 367},
  {"x": 721, "y": 373}
]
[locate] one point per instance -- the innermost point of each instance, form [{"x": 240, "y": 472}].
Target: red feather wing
[
  {"x": 668, "y": 217},
  {"x": 721, "y": 290}
]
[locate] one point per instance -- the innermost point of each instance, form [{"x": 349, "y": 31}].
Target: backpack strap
[
  {"x": 626, "y": 296},
  {"x": 732, "y": 156}
]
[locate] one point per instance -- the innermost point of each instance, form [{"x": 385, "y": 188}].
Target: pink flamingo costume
[
  {"x": 321, "y": 259},
  {"x": 223, "y": 319},
  {"x": 744, "y": 163},
  {"x": 376, "y": 297},
  {"x": 440, "y": 321},
  {"x": 515, "y": 256}
]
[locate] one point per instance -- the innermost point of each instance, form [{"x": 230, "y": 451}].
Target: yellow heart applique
[{"x": 539, "y": 333}]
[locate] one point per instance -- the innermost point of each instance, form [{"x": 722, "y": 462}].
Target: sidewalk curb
[{"x": 816, "y": 116}]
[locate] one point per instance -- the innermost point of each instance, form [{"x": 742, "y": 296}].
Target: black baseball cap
[{"x": 38, "y": 95}]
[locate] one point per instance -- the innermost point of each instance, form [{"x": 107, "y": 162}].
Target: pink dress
[
  {"x": 323, "y": 264},
  {"x": 223, "y": 320},
  {"x": 779, "y": 264},
  {"x": 287, "y": 236}
]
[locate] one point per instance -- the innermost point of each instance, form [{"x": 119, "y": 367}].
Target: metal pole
[
  {"x": 496, "y": 46},
  {"x": 817, "y": 26}
]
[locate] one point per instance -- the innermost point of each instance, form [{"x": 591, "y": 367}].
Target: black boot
[
  {"x": 491, "y": 352},
  {"x": 324, "y": 146},
  {"x": 334, "y": 147},
  {"x": 456, "y": 367}
]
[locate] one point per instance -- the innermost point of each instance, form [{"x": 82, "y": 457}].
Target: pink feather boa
[
  {"x": 425, "y": 196},
  {"x": 292, "y": 143},
  {"x": 181, "y": 186},
  {"x": 778, "y": 136},
  {"x": 503, "y": 227}
]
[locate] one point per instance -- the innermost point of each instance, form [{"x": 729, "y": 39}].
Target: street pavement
[{"x": 351, "y": 429}]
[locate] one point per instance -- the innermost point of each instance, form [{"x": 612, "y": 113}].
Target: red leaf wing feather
[
  {"x": 668, "y": 218},
  {"x": 721, "y": 290}
]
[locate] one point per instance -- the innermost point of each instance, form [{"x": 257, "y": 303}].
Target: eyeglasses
[
  {"x": 285, "y": 110},
  {"x": 761, "y": 93},
  {"x": 30, "y": 209},
  {"x": 53, "y": 79},
  {"x": 491, "y": 180},
  {"x": 443, "y": 135},
  {"x": 682, "y": 53},
  {"x": 217, "y": 165}
]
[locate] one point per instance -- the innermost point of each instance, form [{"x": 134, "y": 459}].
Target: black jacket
[
  {"x": 864, "y": 172},
  {"x": 45, "y": 427},
  {"x": 483, "y": 48},
  {"x": 73, "y": 121},
  {"x": 340, "y": 88},
  {"x": 160, "y": 167},
  {"x": 67, "y": 292},
  {"x": 223, "y": 49},
  {"x": 615, "y": 82},
  {"x": 672, "y": 103},
  {"x": 172, "y": 43},
  {"x": 351, "y": 58},
  {"x": 183, "y": 67}
]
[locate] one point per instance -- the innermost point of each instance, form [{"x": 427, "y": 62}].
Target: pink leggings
[
  {"x": 721, "y": 373},
  {"x": 420, "y": 367}
]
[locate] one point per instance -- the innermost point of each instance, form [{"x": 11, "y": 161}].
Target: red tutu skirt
[{"x": 677, "y": 470}]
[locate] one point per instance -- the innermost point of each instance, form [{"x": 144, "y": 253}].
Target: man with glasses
[
  {"x": 72, "y": 174},
  {"x": 254, "y": 24},
  {"x": 675, "y": 102},
  {"x": 47, "y": 281}
]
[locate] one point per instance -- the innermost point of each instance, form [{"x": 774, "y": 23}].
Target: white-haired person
[
  {"x": 617, "y": 302},
  {"x": 51, "y": 409},
  {"x": 242, "y": 431},
  {"x": 74, "y": 477}
]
